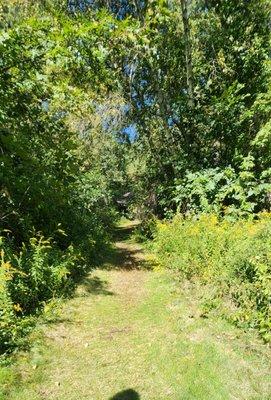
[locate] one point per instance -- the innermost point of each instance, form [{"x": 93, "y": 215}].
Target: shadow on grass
[
  {"x": 122, "y": 258},
  {"x": 129, "y": 394},
  {"x": 95, "y": 285},
  {"x": 125, "y": 255},
  {"x": 107, "y": 257},
  {"x": 122, "y": 233},
  {"x": 121, "y": 255}
]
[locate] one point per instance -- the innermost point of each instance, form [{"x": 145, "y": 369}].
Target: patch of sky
[
  {"x": 45, "y": 105},
  {"x": 131, "y": 132},
  {"x": 120, "y": 9}
]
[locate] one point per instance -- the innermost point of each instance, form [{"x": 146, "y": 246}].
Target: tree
[{"x": 188, "y": 52}]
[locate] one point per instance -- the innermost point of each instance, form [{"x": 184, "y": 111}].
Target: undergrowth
[{"x": 232, "y": 259}]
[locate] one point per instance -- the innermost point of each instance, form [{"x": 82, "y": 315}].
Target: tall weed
[
  {"x": 28, "y": 280},
  {"x": 232, "y": 257}
]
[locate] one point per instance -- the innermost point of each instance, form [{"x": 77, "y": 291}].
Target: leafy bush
[
  {"x": 234, "y": 257},
  {"x": 225, "y": 191},
  {"x": 28, "y": 280}
]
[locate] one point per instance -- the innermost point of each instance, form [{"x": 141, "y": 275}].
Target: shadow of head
[{"x": 129, "y": 394}]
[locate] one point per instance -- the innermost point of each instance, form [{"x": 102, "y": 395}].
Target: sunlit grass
[{"x": 135, "y": 333}]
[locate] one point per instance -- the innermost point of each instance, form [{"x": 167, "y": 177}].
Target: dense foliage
[
  {"x": 166, "y": 100},
  {"x": 229, "y": 192},
  {"x": 227, "y": 121}
]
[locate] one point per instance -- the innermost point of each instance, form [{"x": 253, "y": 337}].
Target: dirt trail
[{"x": 130, "y": 333}]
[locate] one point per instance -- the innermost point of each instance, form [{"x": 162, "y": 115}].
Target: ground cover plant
[{"x": 232, "y": 258}]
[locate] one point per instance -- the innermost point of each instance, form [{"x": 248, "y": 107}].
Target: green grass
[{"x": 132, "y": 333}]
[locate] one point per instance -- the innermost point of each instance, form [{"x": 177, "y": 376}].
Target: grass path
[{"x": 131, "y": 333}]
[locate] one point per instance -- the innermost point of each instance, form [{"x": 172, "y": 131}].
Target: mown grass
[{"x": 135, "y": 334}]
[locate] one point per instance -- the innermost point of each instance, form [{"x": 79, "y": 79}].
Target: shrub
[
  {"x": 226, "y": 192},
  {"x": 28, "y": 280},
  {"x": 234, "y": 257}
]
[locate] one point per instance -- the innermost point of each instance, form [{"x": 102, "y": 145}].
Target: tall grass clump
[
  {"x": 234, "y": 258},
  {"x": 30, "y": 278}
]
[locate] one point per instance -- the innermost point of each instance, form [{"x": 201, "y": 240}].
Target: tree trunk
[{"x": 188, "y": 53}]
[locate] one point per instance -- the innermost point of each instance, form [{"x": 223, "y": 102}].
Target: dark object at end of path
[{"x": 129, "y": 394}]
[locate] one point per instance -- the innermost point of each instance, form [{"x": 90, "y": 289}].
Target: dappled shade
[
  {"x": 95, "y": 285},
  {"x": 126, "y": 254}
]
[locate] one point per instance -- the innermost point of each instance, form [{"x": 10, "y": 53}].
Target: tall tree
[{"x": 188, "y": 51}]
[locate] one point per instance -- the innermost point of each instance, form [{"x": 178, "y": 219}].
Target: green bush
[
  {"x": 227, "y": 192},
  {"x": 28, "y": 280},
  {"x": 233, "y": 257}
]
